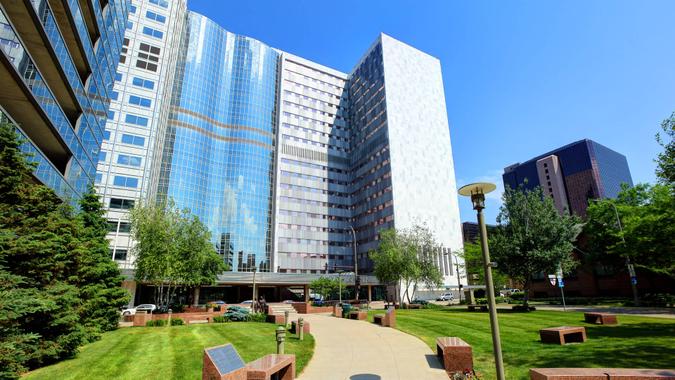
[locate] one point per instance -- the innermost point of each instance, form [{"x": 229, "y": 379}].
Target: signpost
[{"x": 561, "y": 285}]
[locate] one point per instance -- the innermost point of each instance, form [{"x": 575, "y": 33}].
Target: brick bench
[
  {"x": 600, "y": 374},
  {"x": 600, "y": 318},
  {"x": 360, "y": 315},
  {"x": 282, "y": 366},
  {"x": 278, "y": 319},
  {"x": 563, "y": 335},
  {"x": 455, "y": 354},
  {"x": 386, "y": 320},
  {"x": 305, "y": 327},
  {"x": 414, "y": 306},
  {"x": 477, "y": 307}
]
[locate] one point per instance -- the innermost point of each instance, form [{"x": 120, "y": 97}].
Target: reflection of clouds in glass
[
  {"x": 249, "y": 220},
  {"x": 229, "y": 209},
  {"x": 240, "y": 182}
]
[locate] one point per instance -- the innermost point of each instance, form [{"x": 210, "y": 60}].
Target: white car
[
  {"x": 446, "y": 297},
  {"x": 147, "y": 307}
]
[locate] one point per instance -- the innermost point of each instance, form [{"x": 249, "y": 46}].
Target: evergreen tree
[
  {"x": 98, "y": 276},
  {"x": 37, "y": 239}
]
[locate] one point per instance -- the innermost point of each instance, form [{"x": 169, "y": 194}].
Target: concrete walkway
[{"x": 360, "y": 350}]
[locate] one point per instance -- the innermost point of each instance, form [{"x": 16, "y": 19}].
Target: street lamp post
[
  {"x": 459, "y": 281},
  {"x": 477, "y": 193},
  {"x": 357, "y": 283}
]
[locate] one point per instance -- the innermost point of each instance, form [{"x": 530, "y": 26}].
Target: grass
[
  {"x": 637, "y": 342},
  {"x": 170, "y": 353}
]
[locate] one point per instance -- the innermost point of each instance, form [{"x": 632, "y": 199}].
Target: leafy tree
[
  {"x": 173, "y": 249},
  {"x": 473, "y": 265},
  {"x": 665, "y": 161},
  {"x": 532, "y": 237},
  {"x": 326, "y": 286},
  {"x": 99, "y": 278},
  {"x": 406, "y": 258},
  {"x": 647, "y": 216}
]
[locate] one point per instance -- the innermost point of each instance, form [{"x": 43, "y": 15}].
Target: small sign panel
[{"x": 225, "y": 358}]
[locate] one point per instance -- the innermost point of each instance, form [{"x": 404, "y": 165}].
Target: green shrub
[
  {"x": 517, "y": 296},
  {"x": 658, "y": 300},
  {"x": 156, "y": 323},
  {"x": 220, "y": 319},
  {"x": 177, "y": 322},
  {"x": 257, "y": 317},
  {"x": 481, "y": 301}
]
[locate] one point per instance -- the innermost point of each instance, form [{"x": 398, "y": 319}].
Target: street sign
[
  {"x": 561, "y": 283},
  {"x": 633, "y": 280},
  {"x": 551, "y": 278},
  {"x": 631, "y": 270}
]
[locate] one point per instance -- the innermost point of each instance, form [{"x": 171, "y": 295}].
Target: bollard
[
  {"x": 169, "y": 322},
  {"x": 286, "y": 318},
  {"x": 281, "y": 337},
  {"x": 301, "y": 328}
]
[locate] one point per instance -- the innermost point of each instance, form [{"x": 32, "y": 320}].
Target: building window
[
  {"x": 136, "y": 120},
  {"x": 156, "y": 17},
  {"x": 146, "y": 65},
  {"x": 118, "y": 77},
  {"x": 101, "y": 156},
  {"x": 125, "y": 181},
  {"x": 133, "y": 139},
  {"x": 140, "y": 82},
  {"x": 545, "y": 165},
  {"x": 161, "y": 3},
  {"x": 132, "y": 9},
  {"x": 99, "y": 178},
  {"x": 549, "y": 183},
  {"x": 152, "y": 32},
  {"x": 550, "y": 190},
  {"x": 130, "y": 25},
  {"x": 106, "y": 135},
  {"x": 124, "y": 159},
  {"x": 139, "y": 101},
  {"x": 111, "y": 115},
  {"x": 120, "y": 255},
  {"x": 114, "y": 95},
  {"x": 122, "y": 204}
]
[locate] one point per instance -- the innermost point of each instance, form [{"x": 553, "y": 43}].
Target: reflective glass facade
[
  {"x": 46, "y": 66},
  {"x": 218, "y": 157}
]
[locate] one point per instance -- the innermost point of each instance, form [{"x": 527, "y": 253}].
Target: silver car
[{"x": 147, "y": 307}]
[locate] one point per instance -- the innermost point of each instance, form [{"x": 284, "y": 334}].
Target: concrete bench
[
  {"x": 563, "y": 335},
  {"x": 359, "y": 315},
  {"x": 600, "y": 374},
  {"x": 387, "y": 319},
  {"x": 477, "y": 307},
  {"x": 278, "y": 319},
  {"x": 600, "y": 318},
  {"x": 414, "y": 306},
  {"x": 282, "y": 367},
  {"x": 455, "y": 355}
]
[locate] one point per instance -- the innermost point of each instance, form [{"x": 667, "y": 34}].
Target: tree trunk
[{"x": 526, "y": 295}]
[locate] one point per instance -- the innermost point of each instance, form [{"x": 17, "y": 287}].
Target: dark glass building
[
  {"x": 573, "y": 174},
  {"x": 57, "y": 66}
]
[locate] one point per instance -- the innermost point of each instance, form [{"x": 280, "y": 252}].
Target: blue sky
[{"x": 521, "y": 77}]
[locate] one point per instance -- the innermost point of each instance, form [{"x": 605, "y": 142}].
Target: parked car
[
  {"x": 446, "y": 297},
  {"x": 419, "y": 302},
  {"x": 147, "y": 307},
  {"x": 247, "y": 302},
  {"x": 219, "y": 302}
]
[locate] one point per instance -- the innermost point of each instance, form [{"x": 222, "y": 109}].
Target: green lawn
[
  {"x": 637, "y": 342},
  {"x": 170, "y": 353}
]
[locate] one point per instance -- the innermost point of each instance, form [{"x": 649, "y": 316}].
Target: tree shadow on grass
[{"x": 645, "y": 345}]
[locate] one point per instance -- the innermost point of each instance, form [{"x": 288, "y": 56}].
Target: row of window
[
  {"x": 314, "y": 242},
  {"x": 123, "y": 181},
  {"x": 312, "y": 166},
  {"x": 155, "y": 16},
  {"x": 139, "y": 101},
  {"x": 313, "y": 178},
  {"x": 161, "y": 3},
  {"x": 312, "y": 215},
  {"x": 117, "y": 226},
  {"x": 300, "y": 227},
  {"x": 314, "y": 190},
  {"x": 121, "y": 204},
  {"x": 122, "y": 159},
  {"x": 313, "y": 203},
  {"x": 152, "y": 32},
  {"x": 136, "y": 120}
]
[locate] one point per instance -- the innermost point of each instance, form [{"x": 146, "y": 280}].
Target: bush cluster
[{"x": 156, "y": 323}]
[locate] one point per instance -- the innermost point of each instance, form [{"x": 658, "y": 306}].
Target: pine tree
[
  {"x": 37, "y": 239},
  {"x": 98, "y": 276}
]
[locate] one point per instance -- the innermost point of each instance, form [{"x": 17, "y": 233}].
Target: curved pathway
[{"x": 360, "y": 350}]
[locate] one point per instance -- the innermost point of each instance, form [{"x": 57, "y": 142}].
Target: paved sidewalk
[{"x": 359, "y": 350}]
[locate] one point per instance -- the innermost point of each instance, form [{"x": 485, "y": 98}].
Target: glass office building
[
  {"x": 573, "y": 174},
  {"x": 293, "y": 166},
  {"x": 218, "y": 155},
  {"x": 58, "y": 61}
]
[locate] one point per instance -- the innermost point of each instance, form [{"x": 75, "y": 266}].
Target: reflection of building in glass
[
  {"x": 57, "y": 70},
  {"x": 573, "y": 174},
  {"x": 281, "y": 157}
]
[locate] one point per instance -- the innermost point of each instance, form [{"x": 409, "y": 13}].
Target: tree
[
  {"x": 532, "y": 237},
  {"x": 327, "y": 286},
  {"x": 647, "y": 216},
  {"x": 665, "y": 161},
  {"x": 173, "y": 249},
  {"x": 98, "y": 279},
  {"x": 473, "y": 264},
  {"x": 38, "y": 240},
  {"x": 406, "y": 258}
]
